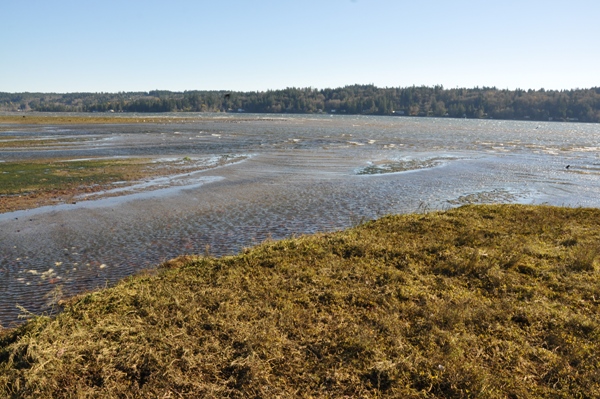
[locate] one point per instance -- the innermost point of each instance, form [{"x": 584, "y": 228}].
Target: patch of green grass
[
  {"x": 25, "y": 177},
  {"x": 30, "y": 184},
  {"x": 480, "y": 301}
]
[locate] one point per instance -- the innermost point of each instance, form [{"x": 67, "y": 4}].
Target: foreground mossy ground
[{"x": 480, "y": 301}]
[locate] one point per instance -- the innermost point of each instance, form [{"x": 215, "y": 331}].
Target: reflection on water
[{"x": 296, "y": 175}]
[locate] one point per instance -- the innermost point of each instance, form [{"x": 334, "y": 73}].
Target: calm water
[{"x": 295, "y": 175}]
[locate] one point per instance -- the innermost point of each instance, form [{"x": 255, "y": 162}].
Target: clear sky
[{"x": 131, "y": 45}]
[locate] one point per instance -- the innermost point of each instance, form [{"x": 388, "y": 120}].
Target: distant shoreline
[{"x": 42, "y": 118}]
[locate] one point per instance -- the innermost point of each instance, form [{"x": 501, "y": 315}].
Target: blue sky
[{"x": 130, "y": 45}]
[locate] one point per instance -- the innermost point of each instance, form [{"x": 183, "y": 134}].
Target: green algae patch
[
  {"x": 24, "y": 177},
  {"x": 35, "y": 183},
  {"x": 29, "y": 184},
  {"x": 486, "y": 301}
]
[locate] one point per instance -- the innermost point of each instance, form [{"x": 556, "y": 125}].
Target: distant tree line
[{"x": 487, "y": 102}]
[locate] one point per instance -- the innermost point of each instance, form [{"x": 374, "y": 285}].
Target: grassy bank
[{"x": 480, "y": 301}]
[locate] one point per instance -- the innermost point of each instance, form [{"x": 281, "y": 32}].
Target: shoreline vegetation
[
  {"x": 576, "y": 105},
  {"x": 486, "y": 301}
]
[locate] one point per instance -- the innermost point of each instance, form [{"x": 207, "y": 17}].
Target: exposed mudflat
[{"x": 285, "y": 175}]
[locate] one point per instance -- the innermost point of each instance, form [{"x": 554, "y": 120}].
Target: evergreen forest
[{"x": 581, "y": 105}]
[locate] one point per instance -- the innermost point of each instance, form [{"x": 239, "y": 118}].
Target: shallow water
[{"x": 300, "y": 174}]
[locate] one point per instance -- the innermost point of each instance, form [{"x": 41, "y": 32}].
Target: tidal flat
[{"x": 256, "y": 177}]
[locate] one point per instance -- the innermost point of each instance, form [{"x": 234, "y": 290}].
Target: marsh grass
[{"x": 479, "y": 301}]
